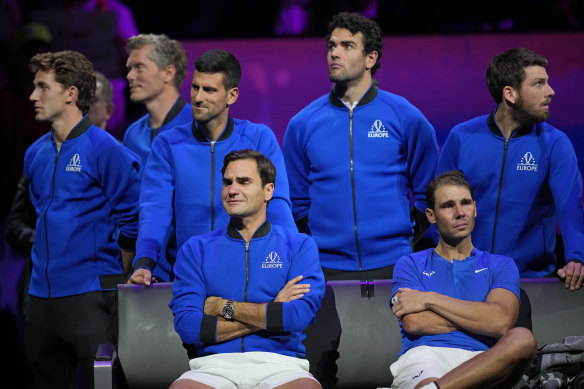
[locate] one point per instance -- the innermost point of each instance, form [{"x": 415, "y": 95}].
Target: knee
[{"x": 523, "y": 343}]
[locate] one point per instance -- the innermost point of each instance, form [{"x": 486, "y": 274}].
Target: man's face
[
  {"x": 243, "y": 194},
  {"x": 145, "y": 78},
  {"x": 346, "y": 59},
  {"x": 454, "y": 212},
  {"x": 209, "y": 99},
  {"x": 100, "y": 111},
  {"x": 532, "y": 105},
  {"x": 49, "y": 97}
]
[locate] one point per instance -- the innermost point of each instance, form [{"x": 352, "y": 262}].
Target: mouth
[{"x": 461, "y": 225}]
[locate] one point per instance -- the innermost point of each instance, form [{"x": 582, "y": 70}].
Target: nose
[
  {"x": 232, "y": 190},
  {"x": 551, "y": 92},
  {"x": 458, "y": 211},
  {"x": 130, "y": 75},
  {"x": 33, "y": 96}
]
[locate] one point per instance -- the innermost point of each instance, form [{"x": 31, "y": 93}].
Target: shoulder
[
  {"x": 175, "y": 135},
  {"x": 471, "y": 126},
  {"x": 104, "y": 144},
  {"x": 318, "y": 106},
  {"x": 199, "y": 243},
  {"x": 417, "y": 259},
  {"x": 136, "y": 126},
  {"x": 294, "y": 239}
]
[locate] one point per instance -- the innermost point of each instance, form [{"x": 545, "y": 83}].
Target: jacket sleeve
[
  {"x": 298, "y": 314},
  {"x": 298, "y": 168},
  {"x": 21, "y": 220},
  {"x": 449, "y": 155},
  {"x": 279, "y": 210},
  {"x": 156, "y": 211},
  {"x": 189, "y": 294},
  {"x": 565, "y": 182},
  {"x": 119, "y": 174},
  {"x": 422, "y": 155}
]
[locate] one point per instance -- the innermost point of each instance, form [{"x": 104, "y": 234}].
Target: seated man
[
  {"x": 236, "y": 300},
  {"x": 457, "y": 305}
]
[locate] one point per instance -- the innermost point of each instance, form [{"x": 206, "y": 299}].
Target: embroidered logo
[
  {"x": 74, "y": 164},
  {"x": 378, "y": 130},
  {"x": 527, "y": 163},
  {"x": 429, "y": 274},
  {"x": 272, "y": 261},
  {"x": 480, "y": 270}
]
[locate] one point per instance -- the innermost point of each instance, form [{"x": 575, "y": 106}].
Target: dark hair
[
  {"x": 107, "y": 88},
  {"x": 451, "y": 177},
  {"x": 508, "y": 69},
  {"x": 220, "y": 61},
  {"x": 71, "y": 68},
  {"x": 165, "y": 51},
  {"x": 355, "y": 23},
  {"x": 266, "y": 168}
]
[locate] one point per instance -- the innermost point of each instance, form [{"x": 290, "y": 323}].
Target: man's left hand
[
  {"x": 214, "y": 306},
  {"x": 573, "y": 275},
  {"x": 409, "y": 301}
]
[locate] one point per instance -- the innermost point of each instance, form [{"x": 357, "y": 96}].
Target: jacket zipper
[
  {"x": 45, "y": 219},
  {"x": 499, "y": 194},
  {"x": 353, "y": 185},
  {"x": 212, "y": 176},
  {"x": 246, "y": 283}
]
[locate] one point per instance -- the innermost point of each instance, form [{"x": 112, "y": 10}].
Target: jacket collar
[
  {"x": 262, "y": 231},
  {"x": 494, "y": 128},
  {"x": 367, "y": 97},
  {"x": 224, "y": 135},
  {"x": 79, "y": 129}
]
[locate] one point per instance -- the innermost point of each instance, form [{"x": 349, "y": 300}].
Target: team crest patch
[
  {"x": 272, "y": 261},
  {"x": 74, "y": 164},
  {"x": 527, "y": 163},
  {"x": 378, "y": 130}
]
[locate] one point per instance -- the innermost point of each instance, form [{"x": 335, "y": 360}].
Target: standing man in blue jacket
[
  {"x": 157, "y": 67},
  {"x": 237, "y": 301},
  {"x": 524, "y": 171},
  {"x": 354, "y": 155},
  {"x": 84, "y": 188},
  {"x": 182, "y": 177}
]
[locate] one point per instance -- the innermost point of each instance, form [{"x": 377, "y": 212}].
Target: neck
[
  {"x": 452, "y": 251},
  {"x": 213, "y": 128},
  {"x": 63, "y": 125},
  {"x": 505, "y": 120},
  {"x": 248, "y": 225},
  {"x": 352, "y": 91},
  {"x": 160, "y": 107}
]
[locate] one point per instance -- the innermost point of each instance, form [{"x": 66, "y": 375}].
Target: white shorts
[
  {"x": 258, "y": 370},
  {"x": 422, "y": 362}
]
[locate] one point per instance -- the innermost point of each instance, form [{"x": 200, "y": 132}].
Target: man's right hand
[
  {"x": 292, "y": 290},
  {"x": 142, "y": 276}
]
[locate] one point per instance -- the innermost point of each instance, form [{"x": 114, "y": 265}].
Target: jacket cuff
[
  {"x": 208, "y": 329},
  {"x": 144, "y": 262},
  {"x": 127, "y": 243},
  {"x": 274, "y": 317},
  {"x": 575, "y": 260}
]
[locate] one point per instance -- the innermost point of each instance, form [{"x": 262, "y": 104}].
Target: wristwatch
[{"x": 228, "y": 310}]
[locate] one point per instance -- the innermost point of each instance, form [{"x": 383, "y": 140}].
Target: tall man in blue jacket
[
  {"x": 157, "y": 67},
  {"x": 524, "y": 171},
  {"x": 83, "y": 186},
  {"x": 237, "y": 301},
  {"x": 182, "y": 177},
  {"x": 352, "y": 158},
  {"x": 457, "y": 305}
]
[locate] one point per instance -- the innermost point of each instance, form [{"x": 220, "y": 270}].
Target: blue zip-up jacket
[
  {"x": 522, "y": 187},
  {"x": 182, "y": 179},
  {"x": 139, "y": 135},
  {"x": 223, "y": 264},
  {"x": 86, "y": 201},
  {"x": 138, "y": 138},
  {"x": 351, "y": 172}
]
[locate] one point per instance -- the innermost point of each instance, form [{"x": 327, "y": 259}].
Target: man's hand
[
  {"x": 292, "y": 290},
  {"x": 408, "y": 301},
  {"x": 142, "y": 276},
  {"x": 573, "y": 274},
  {"x": 214, "y": 306}
]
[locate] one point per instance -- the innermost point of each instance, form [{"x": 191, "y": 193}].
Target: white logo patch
[
  {"x": 378, "y": 130},
  {"x": 272, "y": 261},
  {"x": 429, "y": 274},
  {"x": 527, "y": 163},
  {"x": 480, "y": 270},
  {"x": 74, "y": 164}
]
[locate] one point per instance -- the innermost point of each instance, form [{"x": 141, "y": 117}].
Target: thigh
[{"x": 415, "y": 366}]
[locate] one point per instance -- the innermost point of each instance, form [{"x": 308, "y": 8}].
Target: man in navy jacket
[
  {"x": 83, "y": 186},
  {"x": 236, "y": 297}
]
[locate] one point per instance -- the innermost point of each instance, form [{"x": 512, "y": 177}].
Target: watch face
[{"x": 228, "y": 310}]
